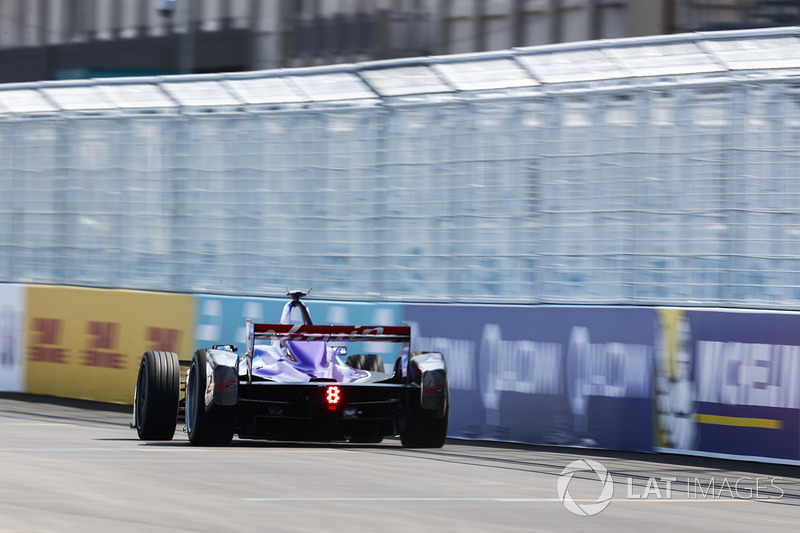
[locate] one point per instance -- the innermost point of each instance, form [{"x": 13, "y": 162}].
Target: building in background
[
  {"x": 63, "y": 39},
  {"x": 710, "y": 15}
]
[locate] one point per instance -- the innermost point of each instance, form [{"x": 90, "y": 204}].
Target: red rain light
[{"x": 333, "y": 395}]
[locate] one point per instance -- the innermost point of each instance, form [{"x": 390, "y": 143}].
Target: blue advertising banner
[
  {"x": 728, "y": 383},
  {"x": 576, "y": 376},
  {"x": 12, "y": 338}
]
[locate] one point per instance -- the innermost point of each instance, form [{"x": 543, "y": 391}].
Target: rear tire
[
  {"x": 155, "y": 401},
  {"x": 366, "y": 361},
  {"x": 422, "y": 429},
  {"x": 213, "y": 427}
]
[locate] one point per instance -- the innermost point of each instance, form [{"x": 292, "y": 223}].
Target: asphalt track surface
[{"x": 77, "y": 466}]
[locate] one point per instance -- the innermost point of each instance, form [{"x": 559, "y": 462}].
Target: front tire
[
  {"x": 212, "y": 427},
  {"x": 155, "y": 401}
]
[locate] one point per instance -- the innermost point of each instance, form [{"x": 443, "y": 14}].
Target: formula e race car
[{"x": 295, "y": 382}]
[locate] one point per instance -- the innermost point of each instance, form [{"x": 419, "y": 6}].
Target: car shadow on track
[{"x": 270, "y": 444}]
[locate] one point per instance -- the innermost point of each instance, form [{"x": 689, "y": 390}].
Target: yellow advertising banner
[{"x": 88, "y": 343}]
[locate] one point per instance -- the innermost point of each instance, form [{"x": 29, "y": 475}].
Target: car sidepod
[
  {"x": 427, "y": 371},
  {"x": 221, "y": 379},
  {"x": 427, "y": 402},
  {"x": 211, "y": 397}
]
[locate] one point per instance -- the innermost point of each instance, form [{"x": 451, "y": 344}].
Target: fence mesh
[{"x": 676, "y": 189}]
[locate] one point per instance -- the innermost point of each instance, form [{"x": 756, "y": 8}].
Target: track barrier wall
[
  {"x": 710, "y": 382},
  {"x": 88, "y": 343},
  {"x": 713, "y": 382}
]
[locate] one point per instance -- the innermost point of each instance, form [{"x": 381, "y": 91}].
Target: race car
[{"x": 295, "y": 382}]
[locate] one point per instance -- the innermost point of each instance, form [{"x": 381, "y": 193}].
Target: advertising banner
[
  {"x": 88, "y": 343},
  {"x": 221, "y": 319},
  {"x": 12, "y": 317},
  {"x": 728, "y": 383},
  {"x": 546, "y": 375}
]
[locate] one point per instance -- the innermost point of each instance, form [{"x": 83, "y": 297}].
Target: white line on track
[
  {"x": 44, "y": 424},
  {"x": 61, "y": 450},
  {"x": 511, "y": 500},
  {"x": 414, "y": 499},
  {"x": 185, "y": 448}
]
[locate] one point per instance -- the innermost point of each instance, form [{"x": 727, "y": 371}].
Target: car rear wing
[{"x": 308, "y": 332}]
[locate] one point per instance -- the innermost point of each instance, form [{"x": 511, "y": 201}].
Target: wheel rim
[
  {"x": 141, "y": 393},
  {"x": 190, "y": 400}
]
